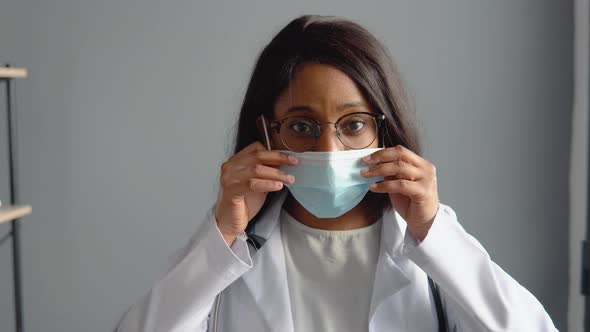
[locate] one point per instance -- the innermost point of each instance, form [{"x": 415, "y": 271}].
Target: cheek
[
  {"x": 275, "y": 141},
  {"x": 375, "y": 144}
]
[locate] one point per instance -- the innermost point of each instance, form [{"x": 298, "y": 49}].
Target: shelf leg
[{"x": 15, "y": 226}]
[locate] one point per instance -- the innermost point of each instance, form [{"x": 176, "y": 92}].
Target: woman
[{"x": 328, "y": 218}]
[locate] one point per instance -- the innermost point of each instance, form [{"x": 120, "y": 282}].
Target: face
[{"x": 324, "y": 93}]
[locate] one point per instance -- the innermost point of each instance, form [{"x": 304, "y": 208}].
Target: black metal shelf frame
[{"x": 14, "y": 232}]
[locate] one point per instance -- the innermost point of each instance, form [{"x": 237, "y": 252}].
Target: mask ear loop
[{"x": 265, "y": 132}]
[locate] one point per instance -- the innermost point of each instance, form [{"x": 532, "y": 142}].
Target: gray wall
[{"x": 130, "y": 107}]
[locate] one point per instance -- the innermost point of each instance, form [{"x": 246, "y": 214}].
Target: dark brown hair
[{"x": 350, "y": 48}]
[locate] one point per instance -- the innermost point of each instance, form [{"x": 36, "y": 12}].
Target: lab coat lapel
[
  {"x": 392, "y": 272},
  {"x": 267, "y": 280}
]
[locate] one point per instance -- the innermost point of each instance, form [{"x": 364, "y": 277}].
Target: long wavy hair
[{"x": 347, "y": 46}]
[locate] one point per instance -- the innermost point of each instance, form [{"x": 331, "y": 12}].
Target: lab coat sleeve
[
  {"x": 478, "y": 295},
  {"x": 182, "y": 299}
]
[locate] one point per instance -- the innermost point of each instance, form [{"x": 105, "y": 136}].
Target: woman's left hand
[{"x": 410, "y": 182}]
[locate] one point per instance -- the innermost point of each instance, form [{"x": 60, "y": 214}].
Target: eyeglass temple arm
[{"x": 265, "y": 132}]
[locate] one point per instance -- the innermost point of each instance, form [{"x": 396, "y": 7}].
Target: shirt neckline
[{"x": 288, "y": 218}]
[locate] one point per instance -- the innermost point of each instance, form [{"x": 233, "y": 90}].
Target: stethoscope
[{"x": 257, "y": 242}]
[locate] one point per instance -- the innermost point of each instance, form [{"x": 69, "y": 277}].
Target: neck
[{"x": 359, "y": 217}]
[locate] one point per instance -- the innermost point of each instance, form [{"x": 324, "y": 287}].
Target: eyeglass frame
[{"x": 276, "y": 125}]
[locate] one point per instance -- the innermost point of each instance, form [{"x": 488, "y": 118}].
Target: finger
[
  {"x": 401, "y": 169},
  {"x": 270, "y": 158},
  {"x": 397, "y": 152},
  {"x": 405, "y": 187},
  {"x": 256, "y": 146},
  {"x": 259, "y": 185},
  {"x": 263, "y": 172},
  {"x": 236, "y": 186}
]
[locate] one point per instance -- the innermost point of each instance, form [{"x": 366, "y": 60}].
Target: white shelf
[
  {"x": 11, "y": 212},
  {"x": 10, "y": 72}
]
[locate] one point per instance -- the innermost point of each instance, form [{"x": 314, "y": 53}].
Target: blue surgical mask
[{"x": 329, "y": 184}]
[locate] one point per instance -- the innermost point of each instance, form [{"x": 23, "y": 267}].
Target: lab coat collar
[
  {"x": 267, "y": 280},
  {"x": 393, "y": 268}
]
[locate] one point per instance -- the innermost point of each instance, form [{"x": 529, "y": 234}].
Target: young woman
[{"x": 328, "y": 218}]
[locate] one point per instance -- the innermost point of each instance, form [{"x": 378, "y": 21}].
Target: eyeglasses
[{"x": 354, "y": 130}]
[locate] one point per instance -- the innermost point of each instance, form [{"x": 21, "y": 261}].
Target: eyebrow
[{"x": 340, "y": 108}]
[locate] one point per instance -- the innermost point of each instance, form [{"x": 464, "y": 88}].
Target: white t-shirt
[{"x": 330, "y": 275}]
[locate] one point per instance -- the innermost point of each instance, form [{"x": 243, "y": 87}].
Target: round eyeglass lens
[{"x": 357, "y": 131}]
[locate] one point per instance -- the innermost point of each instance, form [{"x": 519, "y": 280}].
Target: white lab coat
[{"x": 477, "y": 294}]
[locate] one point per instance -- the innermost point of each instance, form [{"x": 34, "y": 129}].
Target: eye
[
  {"x": 356, "y": 125},
  {"x": 352, "y": 126},
  {"x": 301, "y": 127}
]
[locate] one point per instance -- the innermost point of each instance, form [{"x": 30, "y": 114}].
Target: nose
[{"x": 328, "y": 140}]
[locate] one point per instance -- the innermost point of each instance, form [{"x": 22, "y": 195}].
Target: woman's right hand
[{"x": 245, "y": 180}]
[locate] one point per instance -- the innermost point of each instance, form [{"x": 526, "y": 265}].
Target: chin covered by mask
[{"x": 329, "y": 184}]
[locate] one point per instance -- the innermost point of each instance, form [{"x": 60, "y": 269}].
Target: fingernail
[
  {"x": 373, "y": 185},
  {"x": 290, "y": 178},
  {"x": 293, "y": 160}
]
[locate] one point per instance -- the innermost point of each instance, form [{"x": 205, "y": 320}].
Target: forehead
[{"x": 320, "y": 86}]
